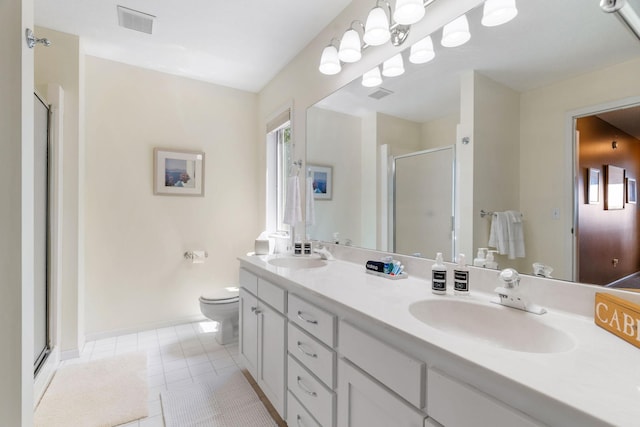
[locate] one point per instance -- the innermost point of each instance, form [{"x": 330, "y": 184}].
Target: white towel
[
  {"x": 292, "y": 208},
  {"x": 506, "y": 234},
  {"x": 310, "y": 211}
]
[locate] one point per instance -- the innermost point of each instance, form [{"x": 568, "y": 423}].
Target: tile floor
[{"x": 177, "y": 356}]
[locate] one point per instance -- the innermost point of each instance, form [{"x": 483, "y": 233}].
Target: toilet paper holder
[{"x": 193, "y": 255}]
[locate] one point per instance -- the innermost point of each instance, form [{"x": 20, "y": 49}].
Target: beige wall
[
  {"x": 546, "y": 156},
  {"x": 439, "y": 132},
  {"x": 16, "y": 215},
  {"x": 338, "y": 133},
  {"x": 136, "y": 274}
]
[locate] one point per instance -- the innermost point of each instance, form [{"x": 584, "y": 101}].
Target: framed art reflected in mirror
[{"x": 322, "y": 181}]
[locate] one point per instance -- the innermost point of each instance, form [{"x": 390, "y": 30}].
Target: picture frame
[
  {"x": 178, "y": 172},
  {"x": 614, "y": 189},
  {"x": 632, "y": 191},
  {"x": 322, "y": 183},
  {"x": 593, "y": 186}
]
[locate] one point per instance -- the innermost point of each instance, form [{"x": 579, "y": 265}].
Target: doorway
[
  {"x": 607, "y": 221},
  {"x": 42, "y": 233}
]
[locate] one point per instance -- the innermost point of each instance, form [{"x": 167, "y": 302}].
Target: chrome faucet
[
  {"x": 323, "y": 252},
  {"x": 510, "y": 295}
]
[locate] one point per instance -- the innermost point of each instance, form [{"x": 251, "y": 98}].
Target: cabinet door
[
  {"x": 248, "y": 334},
  {"x": 272, "y": 345},
  {"x": 363, "y": 402}
]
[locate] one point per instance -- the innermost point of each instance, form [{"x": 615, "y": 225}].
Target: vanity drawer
[
  {"x": 297, "y": 416},
  {"x": 314, "y": 396},
  {"x": 273, "y": 295},
  {"x": 249, "y": 281},
  {"x": 314, "y": 355},
  {"x": 312, "y": 319},
  {"x": 396, "y": 370},
  {"x": 447, "y": 397}
]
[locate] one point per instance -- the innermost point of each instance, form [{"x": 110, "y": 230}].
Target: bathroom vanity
[{"x": 333, "y": 346}]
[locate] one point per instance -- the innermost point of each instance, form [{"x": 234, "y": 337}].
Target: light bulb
[
  {"x": 498, "y": 12},
  {"x": 329, "y": 62},
  {"x": 350, "y": 47},
  {"x": 376, "y": 29},
  {"x": 422, "y": 51},
  {"x": 393, "y": 66},
  {"x": 456, "y": 32},
  {"x": 408, "y": 11},
  {"x": 372, "y": 78}
]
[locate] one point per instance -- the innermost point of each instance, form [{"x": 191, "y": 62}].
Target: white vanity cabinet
[
  {"x": 378, "y": 385},
  {"x": 312, "y": 364},
  {"x": 263, "y": 336},
  {"x": 455, "y": 404}
]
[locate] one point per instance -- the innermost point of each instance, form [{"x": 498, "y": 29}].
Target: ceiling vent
[
  {"x": 380, "y": 93},
  {"x": 135, "y": 20}
]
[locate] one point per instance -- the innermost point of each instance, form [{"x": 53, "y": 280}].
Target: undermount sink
[
  {"x": 497, "y": 325},
  {"x": 297, "y": 262}
]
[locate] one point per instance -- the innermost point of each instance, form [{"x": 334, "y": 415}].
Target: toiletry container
[
  {"x": 221, "y": 305},
  {"x": 461, "y": 277},
  {"x": 481, "y": 258},
  {"x": 491, "y": 262},
  {"x": 439, "y": 276}
]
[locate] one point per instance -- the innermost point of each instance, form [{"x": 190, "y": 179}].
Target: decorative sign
[{"x": 618, "y": 316}]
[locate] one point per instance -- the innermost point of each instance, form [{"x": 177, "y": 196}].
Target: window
[{"x": 279, "y": 163}]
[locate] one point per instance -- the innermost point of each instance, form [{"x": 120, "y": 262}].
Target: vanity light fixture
[
  {"x": 393, "y": 66},
  {"x": 350, "y": 46},
  {"x": 372, "y": 78},
  {"x": 329, "y": 62},
  {"x": 456, "y": 33},
  {"x": 408, "y": 11},
  {"x": 624, "y": 11},
  {"x": 377, "y": 27},
  {"x": 422, "y": 51},
  {"x": 498, "y": 12}
]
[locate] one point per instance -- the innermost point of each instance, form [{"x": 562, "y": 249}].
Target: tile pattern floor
[{"x": 177, "y": 356}]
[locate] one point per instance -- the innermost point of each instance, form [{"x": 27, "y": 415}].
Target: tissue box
[{"x": 262, "y": 247}]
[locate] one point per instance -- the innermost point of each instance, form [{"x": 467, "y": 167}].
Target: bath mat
[
  {"x": 227, "y": 401},
  {"x": 99, "y": 393}
]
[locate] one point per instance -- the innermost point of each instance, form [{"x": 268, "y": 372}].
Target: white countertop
[{"x": 599, "y": 376}]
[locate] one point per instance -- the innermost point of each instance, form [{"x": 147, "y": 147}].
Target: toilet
[{"x": 221, "y": 305}]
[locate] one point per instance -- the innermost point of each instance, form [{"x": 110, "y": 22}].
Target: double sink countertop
[{"x": 592, "y": 377}]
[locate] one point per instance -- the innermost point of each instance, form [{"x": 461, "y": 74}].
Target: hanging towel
[
  {"x": 292, "y": 208},
  {"x": 310, "y": 211},
  {"x": 506, "y": 234}
]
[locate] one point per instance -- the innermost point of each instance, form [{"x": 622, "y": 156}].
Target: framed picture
[
  {"x": 322, "y": 181},
  {"x": 614, "y": 189},
  {"x": 178, "y": 172},
  {"x": 593, "y": 186},
  {"x": 632, "y": 194}
]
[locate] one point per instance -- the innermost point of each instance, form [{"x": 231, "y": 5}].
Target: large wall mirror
[{"x": 507, "y": 104}]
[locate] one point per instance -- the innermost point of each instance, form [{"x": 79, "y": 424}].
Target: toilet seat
[{"x": 221, "y": 296}]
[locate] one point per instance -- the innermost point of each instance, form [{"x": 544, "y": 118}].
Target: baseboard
[
  {"x": 148, "y": 326},
  {"x": 45, "y": 375},
  {"x": 69, "y": 354}
]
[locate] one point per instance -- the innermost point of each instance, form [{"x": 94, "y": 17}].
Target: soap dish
[{"x": 388, "y": 276}]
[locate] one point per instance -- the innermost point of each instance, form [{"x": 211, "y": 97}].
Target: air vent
[
  {"x": 380, "y": 93},
  {"x": 135, "y": 20}
]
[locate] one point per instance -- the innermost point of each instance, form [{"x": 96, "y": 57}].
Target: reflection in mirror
[{"x": 514, "y": 92}]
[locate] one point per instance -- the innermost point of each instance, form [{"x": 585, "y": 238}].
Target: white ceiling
[{"x": 241, "y": 44}]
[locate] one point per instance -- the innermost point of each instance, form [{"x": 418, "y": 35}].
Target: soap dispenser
[
  {"x": 480, "y": 259},
  {"x": 461, "y": 277},
  {"x": 439, "y": 276}
]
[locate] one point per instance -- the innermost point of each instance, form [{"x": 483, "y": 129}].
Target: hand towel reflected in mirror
[{"x": 506, "y": 234}]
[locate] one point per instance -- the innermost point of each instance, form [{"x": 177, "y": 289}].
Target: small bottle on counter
[
  {"x": 439, "y": 276},
  {"x": 491, "y": 262},
  {"x": 480, "y": 259},
  {"x": 461, "y": 277}
]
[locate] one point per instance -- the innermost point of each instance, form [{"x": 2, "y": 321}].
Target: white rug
[
  {"x": 228, "y": 401},
  {"x": 101, "y": 393}
]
